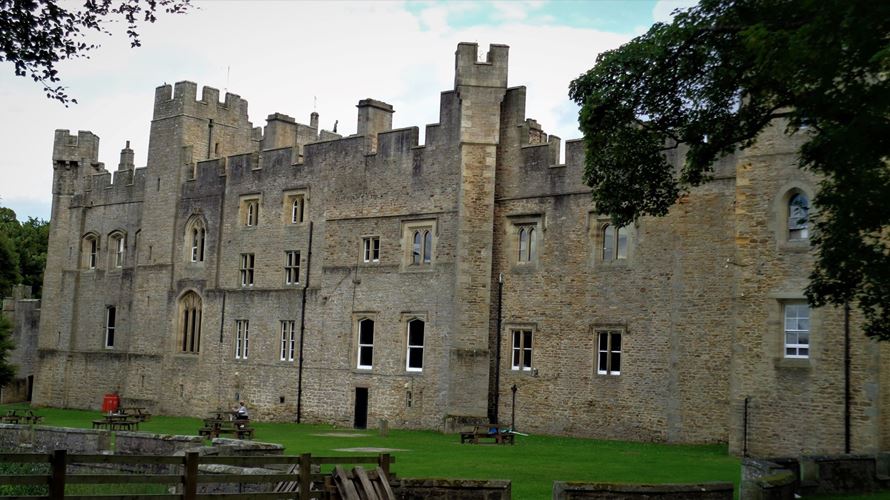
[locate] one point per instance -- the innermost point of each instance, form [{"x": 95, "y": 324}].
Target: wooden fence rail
[{"x": 187, "y": 481}]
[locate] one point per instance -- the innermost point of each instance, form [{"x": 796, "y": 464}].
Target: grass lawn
[{"x": 532, "y": 464}]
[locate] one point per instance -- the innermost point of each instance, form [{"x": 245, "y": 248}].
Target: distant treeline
[{"x": 22, "y": 252}]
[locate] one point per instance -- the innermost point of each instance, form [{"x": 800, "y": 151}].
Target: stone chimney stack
[
  {"x": 126, "y": 159},
  {"x": 373, "y": 117}
]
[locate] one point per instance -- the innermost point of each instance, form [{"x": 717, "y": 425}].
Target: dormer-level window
[{"x": 798, "y": 217}]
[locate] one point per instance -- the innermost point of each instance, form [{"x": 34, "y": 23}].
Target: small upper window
[
  {"x": 247, "y": 263},
  {"x": 90, "y": 251},
  {"x": 608, "y": 359},
  {"x": 522, "y": 350},
  {"x": 294, "y": 208},
  {"x": 614, "y": 242},
  {"x": 419, "y": 240},
  {"x": 250, "y": 211},
  {"x": 422, "y": 249},
  {"x": 195, "y": 237},
  {"x": 797, "y": 330},
  {"x": 798, "y": 217},
  {"x": 371, "y": 249},
  {"x": 414, "y": 362},
  {"x": 527, "y": 244},
  {"x": 117, "y": 247}
]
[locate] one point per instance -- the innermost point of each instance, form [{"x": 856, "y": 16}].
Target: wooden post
[
  {"x": 305, "y": 475},
  {"x": 57, "y": 481},
  {"x": 190, "y": 479},
  {"x": 383, "y": 462}
]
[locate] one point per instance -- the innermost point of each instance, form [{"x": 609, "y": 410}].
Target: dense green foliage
[
  {"x": 22, "y": 252},
  {"x": 36, "y": 34},
  {"x": 532, "y": 464},
  {"x": 717, "y": 76},
  {"x": 7, "y": 371}
]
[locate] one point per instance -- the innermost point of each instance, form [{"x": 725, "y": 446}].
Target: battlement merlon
[
  {"x": 182, "y": 98},
  {"x": 492, "y": 72},
  {"x": 75, "y": 148}
]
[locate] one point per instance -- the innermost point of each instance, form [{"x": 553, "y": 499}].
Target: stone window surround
[
  {"x": 246, "y": 201},
  {"x": 778, "y": 217},
  {"x": 292, "y": 264},
  {"x": 596, "y": 224},
  {"x": 405, "y": 318},
  {"x": 601, "y": 326},
  {"x": 357, "y": 317},
  {"x": 408, "y": 229},
  {"x": 507, "y": 348},
  {"x": 287, "y": 208},
  {"x": 195, "y": 240},
  {"x": 89, "y": 249},
  {"x": 189, "y": 339},
  {"x": 774, "y": 345},
  {"x": 517, "y": 222},
  {"x": 247, "y": 269},
  {"x": 117, "y": 249},
  {"x": 608, "y": 371}
]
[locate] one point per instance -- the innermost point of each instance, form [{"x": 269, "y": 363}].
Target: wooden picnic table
[
  {"x": 221, "y": 422},
  {"x": 27, "y": 417},
  {"x": 489, "y": 431},
  {"x": 116, "y": 422},
  {"x": 135, "y": 412}
]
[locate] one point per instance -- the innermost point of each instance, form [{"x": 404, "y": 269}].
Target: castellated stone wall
[{"x": 693, "y": 301}]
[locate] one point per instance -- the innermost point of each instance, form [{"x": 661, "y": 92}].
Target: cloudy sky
[{"x": 294, "y": 57}]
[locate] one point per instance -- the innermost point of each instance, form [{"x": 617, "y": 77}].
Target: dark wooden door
[{"x": 361, "y": 408}]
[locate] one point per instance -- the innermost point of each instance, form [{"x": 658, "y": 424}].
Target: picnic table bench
[
  {"x": 489, "y": 431},
  {"x": 28, "y": 417},
  {"x": 116, "y": 422},
  {"x": 135, "y": 413},
  {"x": 218, "y": 424}
]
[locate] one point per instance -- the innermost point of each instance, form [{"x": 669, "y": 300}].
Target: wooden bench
[
  {"x": 135, "y": 413},
  {"x": 213, "y": 427},
  {"x": 32, "y": 418},
  {"x": 491, "y": 431},
  {"x": 116, "y": 424}
]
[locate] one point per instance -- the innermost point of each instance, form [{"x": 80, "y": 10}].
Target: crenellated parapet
[
  {"x": 182, "y": 99},
  {"x": 491, "y": 72}
]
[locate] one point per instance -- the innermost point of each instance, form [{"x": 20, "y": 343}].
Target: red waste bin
[{"x": 110, "y": 403}]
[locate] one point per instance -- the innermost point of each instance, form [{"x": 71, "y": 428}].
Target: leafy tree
[
  {"x": 22, "y": 252},
  {"x": 37, "y": 34},
  {"x": 717, "y": 76},
  {"x": 7, "y": 371}
]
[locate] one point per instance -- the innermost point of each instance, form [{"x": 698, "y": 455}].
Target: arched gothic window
[
  {"x": 798, "y": 217},
  {"x": 195, "y": 237},
  {"x": 614, "y": 242},
  {"x": 90, "y": 250},
  {"x": 190, "y": 323},
  {"x": 117, "y": 246},
  {"x": 527, "y": 244}
]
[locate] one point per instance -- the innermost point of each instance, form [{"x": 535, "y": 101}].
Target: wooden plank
[
  {"x": 271, "y": 495},
  {"x": 344, "y": 484},
  {"x": 365, "y": 489},
  {"x": 124, "y": 459},
  {"x": 305, "y": 475},
  {"x": 256, "y": 460},
  {"x": 190, "y": 481},
  {"x": 57, "y": 483},
  {"x": 247, "y": 478},
  {"x": 25, "y": 458},
  {"x": 159, "y": 496},
  {"x": 388, "y": 494},
  {"x": 25, "y": 479},
  {"x": 349, "y": 460},
  {"x": 124, "y": 479}
]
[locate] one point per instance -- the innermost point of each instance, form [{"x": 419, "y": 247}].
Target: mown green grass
[{"x": 532, "y": 464}]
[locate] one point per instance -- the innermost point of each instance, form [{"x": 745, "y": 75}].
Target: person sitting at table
[{"x": 241, "y": 412}]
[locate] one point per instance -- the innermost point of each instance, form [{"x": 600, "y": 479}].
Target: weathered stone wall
[
  {"x": 451, "y": 489},
  {"x": 789, "y": 478},
  {"x": 697, "y": 300},
  {"x": 611, "y": 491}
]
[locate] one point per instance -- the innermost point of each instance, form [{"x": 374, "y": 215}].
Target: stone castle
[{"x": 366, "y": 278}]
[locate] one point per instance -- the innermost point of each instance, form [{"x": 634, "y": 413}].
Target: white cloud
[
  {"x": 283, "y": 57},
  {"x": 663, "y": 10}
]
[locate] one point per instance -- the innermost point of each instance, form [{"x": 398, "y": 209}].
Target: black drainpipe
[
  {"x": 497, "y": 357},
  {"x": 303, "y": 330},
  {"x": 846, "y": 377}
]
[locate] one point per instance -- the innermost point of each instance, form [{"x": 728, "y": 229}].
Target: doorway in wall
[{"x": 361, "y": 408}]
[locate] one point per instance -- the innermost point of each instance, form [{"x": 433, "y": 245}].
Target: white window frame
[
  {"x": 110, "y": 326},
  {"x": 295, "y": 206},
  {"x": 242, "y": 338},
  {"x": 292, "y": 267},
  {"x": 371, "y": 249},
  {"x": 118, "y": 247},
  {"x": 793, "y": 327},
  {"x": 415, "y": 348},
  {"x": 521, "y": 344},
  {"x": 248, "y": 262},
  {"x": 288, "y": 339},
  {"x": 610, "y": 351},
  {"x": 364, "y": 346}
]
